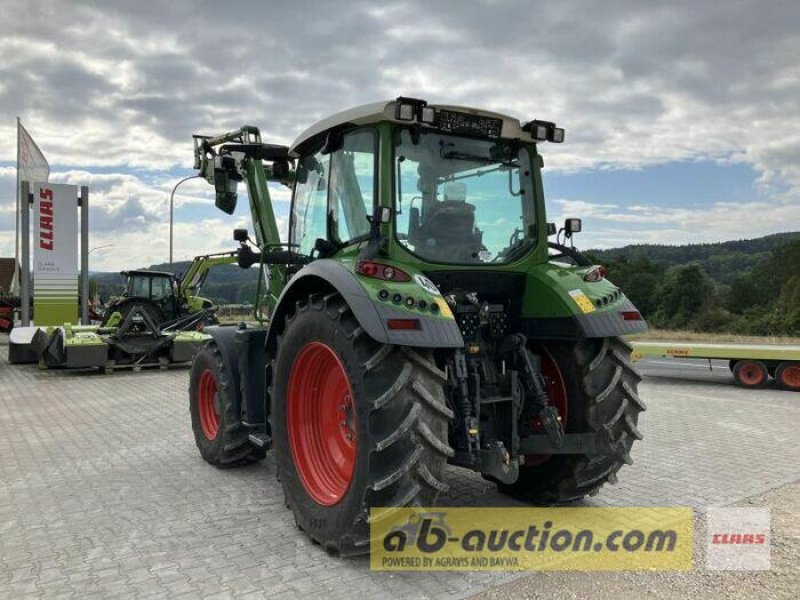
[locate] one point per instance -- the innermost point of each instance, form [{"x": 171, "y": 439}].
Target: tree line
[{"x": 749, "y": 287}]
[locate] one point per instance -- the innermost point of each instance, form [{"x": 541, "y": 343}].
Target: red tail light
[
  {"x": 596, "y": 273},
  {"x": 631, "y": 315},
  {"x": 403, "y": 324},
  {"x": 377, "y": 270}
]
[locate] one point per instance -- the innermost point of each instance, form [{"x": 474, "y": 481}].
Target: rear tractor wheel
[
  {"x": 357, "y": 424},
  {"x": 593, "y": 385},
  {"x": 214, "y": 404}
]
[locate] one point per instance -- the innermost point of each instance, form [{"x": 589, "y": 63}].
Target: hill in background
[
  {"x": 722, "y": 260},
  {"x": 749, "y": 287},
  {"x": 225, "y": 284}
]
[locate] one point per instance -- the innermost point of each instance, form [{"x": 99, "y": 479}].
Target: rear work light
[
  {"x": 377, "y": 270},
  {"x": 596, "y": 273},
  {"x": 410, "y": 109},
  {"x": 544, "y": 131}
]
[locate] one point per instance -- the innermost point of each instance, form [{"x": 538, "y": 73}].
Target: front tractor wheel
[
  {"x": 593, "y": 385},
  {"x": 357, "y": 424},
  {"x": 214, "y": 405}
]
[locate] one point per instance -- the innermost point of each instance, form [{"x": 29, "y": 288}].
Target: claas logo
[{"x": 45, "y": 219}]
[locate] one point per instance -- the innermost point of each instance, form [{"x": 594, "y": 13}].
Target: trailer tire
[
  {"x": 788, "y": 376},
  {"x": 601, "y": 386},
  {"x": 388, "y": 431},
  {"x": 215, "y": 408},
  {"x": 750, "y": 373}
]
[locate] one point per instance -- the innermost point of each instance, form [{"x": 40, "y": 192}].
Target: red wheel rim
[
  {"x": 208, "y": 404},
  {"x": 751, "y": 373},
  {"x": 557, "y": 394},
  {"x": 790, "y": 376},
  {"x": 321, "y": 422}
]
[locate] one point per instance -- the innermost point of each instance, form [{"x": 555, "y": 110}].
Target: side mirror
[
  {"x": 572, "y": 226},
  {"x": 551, "y": 229},
  {"x": 240, "y": 235}
]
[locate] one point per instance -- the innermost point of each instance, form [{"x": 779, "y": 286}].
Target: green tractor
[
  {"x": 419, "y": 317},
  {"x": 164, "y": 297}
]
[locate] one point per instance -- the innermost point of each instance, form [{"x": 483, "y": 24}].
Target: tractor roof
[
  {"x": 147, "y": 273},
  {"x": 385, "y": 111}
]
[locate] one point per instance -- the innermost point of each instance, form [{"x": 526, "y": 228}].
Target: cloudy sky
[{"x": 682, "y": 118}]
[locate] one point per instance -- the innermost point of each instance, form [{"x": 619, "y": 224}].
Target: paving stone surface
[{"x": 103, "y": 493}]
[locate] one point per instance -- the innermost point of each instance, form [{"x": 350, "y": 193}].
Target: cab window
[
  {"x": 353, "y": 185},
  {"x": 336, "y": 190},
  {"x": 160, "y": 288},
  {"x": 309, "y": 216}
]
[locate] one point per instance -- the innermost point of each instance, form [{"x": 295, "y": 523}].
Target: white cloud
[
  {"x": 108, "y": 87},
  {"x": 609, "y": 226}
]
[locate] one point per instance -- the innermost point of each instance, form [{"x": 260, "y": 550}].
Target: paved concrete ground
[
  {"x": 104, "y": 494},
  {"x": 781, "y": 581}
]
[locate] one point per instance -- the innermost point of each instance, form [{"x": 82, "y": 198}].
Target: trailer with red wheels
[{"x": 752, "y": 365}]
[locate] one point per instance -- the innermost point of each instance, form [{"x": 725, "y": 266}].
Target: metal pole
[
  {"x": 172, "y": 210},
  {"x": 25, "y": 267},
  {"x": 16, "y": 214},
  {"x": 84, "y": 204}
]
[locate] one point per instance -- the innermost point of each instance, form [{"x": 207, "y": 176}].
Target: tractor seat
[{"x": 450, "y": 221}]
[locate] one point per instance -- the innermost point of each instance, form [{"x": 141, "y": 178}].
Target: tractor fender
[
  {"x": 225, "y": 338},
  {"x": 242, "y": 350},
  {"x": 327, "y": 276}
]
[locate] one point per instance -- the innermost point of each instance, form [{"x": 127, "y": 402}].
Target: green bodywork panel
[
  {"x": 195, "y": 303},
  {"x": 94, "y": 335},
  {"x": 80, "y": 335}
]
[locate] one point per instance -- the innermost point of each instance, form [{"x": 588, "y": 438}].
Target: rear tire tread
[
  {"x": 608, "y": 390},
  {"x": 406, "y": 465}
]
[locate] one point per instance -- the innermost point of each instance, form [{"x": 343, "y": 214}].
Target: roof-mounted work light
[
  {"x": 428, "y": 115},
  {"x": 544, "y": 131},
  {"x": 409, "y": 109}
]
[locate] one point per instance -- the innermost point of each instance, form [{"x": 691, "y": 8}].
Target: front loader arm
[
  {"x": 228, "y": 159},
  {"x": 196, "y": 273}
]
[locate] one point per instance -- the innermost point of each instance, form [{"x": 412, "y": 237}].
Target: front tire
[
  {"x": 601, "y": 389},
  {"x": 215, "y": 408},
  {"x": 357, "y": 424}
]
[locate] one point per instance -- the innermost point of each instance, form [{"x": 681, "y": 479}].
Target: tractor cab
[
  {"x": 459, "y": 186},
  {"x": 160, "y": 287}
]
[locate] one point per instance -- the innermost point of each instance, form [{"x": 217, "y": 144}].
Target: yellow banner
[{"x": 518, "y": 539}]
